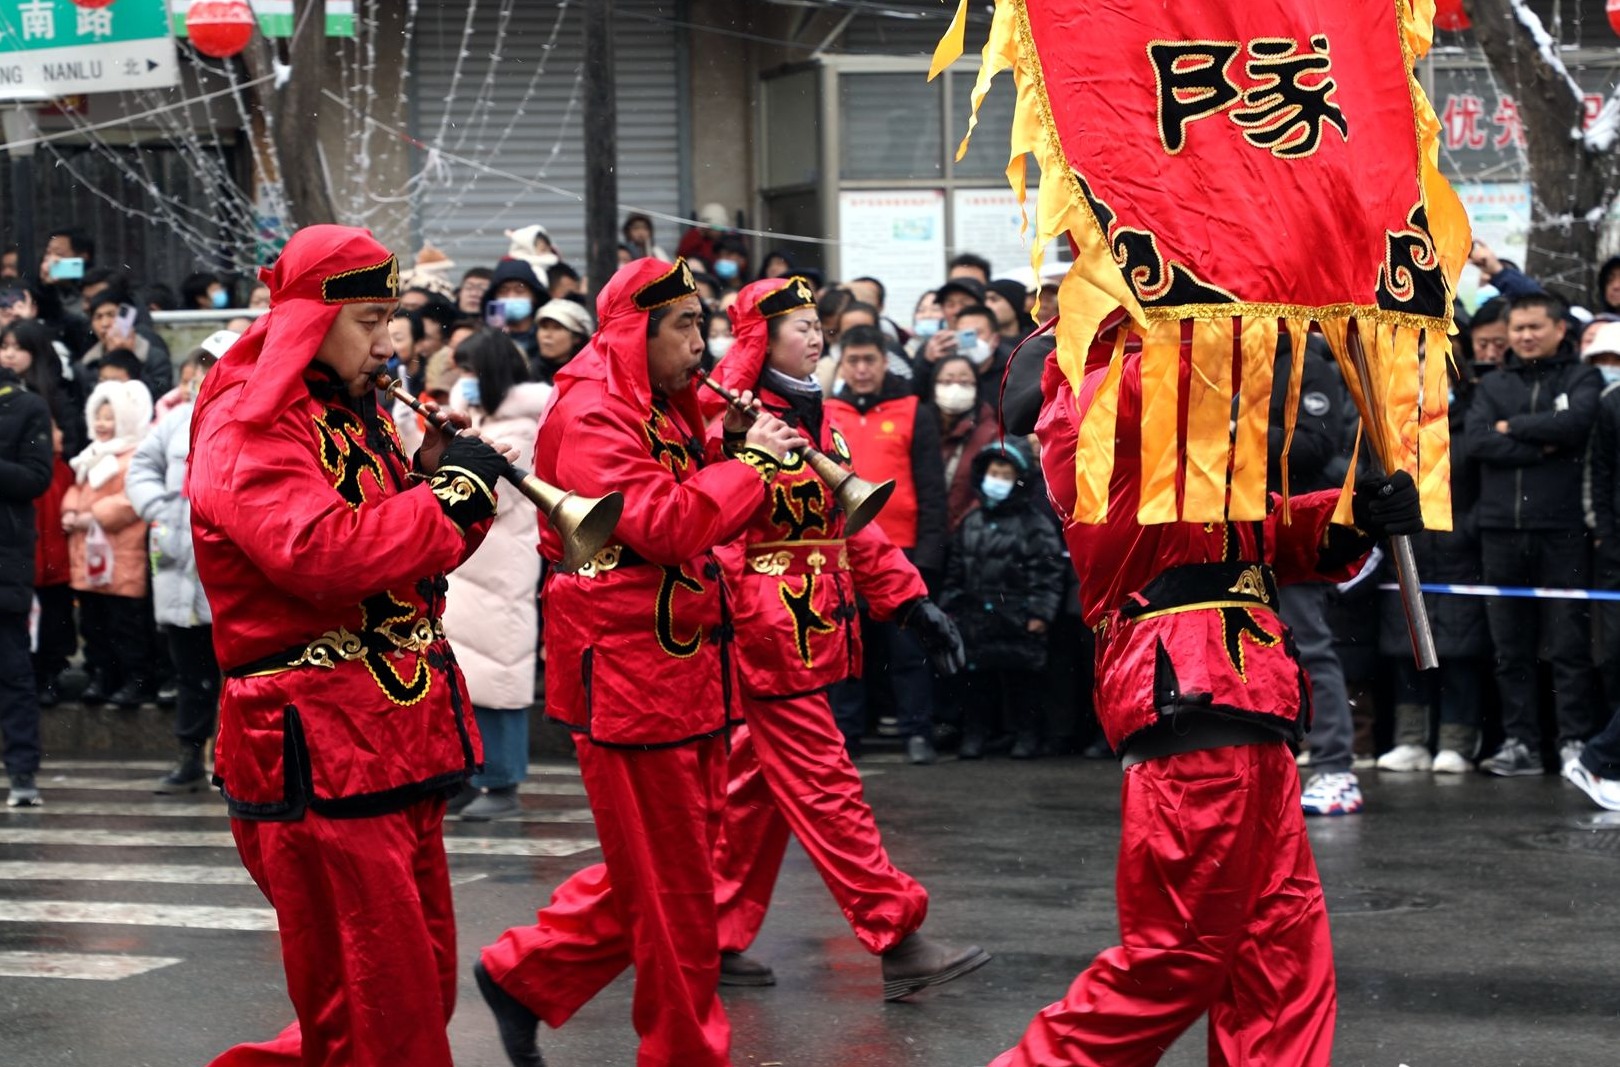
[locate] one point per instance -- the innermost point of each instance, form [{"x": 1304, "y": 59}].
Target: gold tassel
[
  {"x": 1094, "y": 457},
  {"x": 1160, "y": 442},
  {"x": 1209, "y": 421},
  {"x": 1253, "y": 420}
]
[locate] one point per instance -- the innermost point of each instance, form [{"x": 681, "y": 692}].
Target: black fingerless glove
[
  {"x": 937, "y": 633},
  {"x": 465, "y": 480},
  {"x": 1384, "y": 507}
]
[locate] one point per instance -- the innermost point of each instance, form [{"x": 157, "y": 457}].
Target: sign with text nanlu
[{"x": 53, "y": 48}]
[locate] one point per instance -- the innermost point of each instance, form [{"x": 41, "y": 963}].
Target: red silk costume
[
  {"x": 795, "y": 577},
  {"x": 1220, "y": 907},
  {"x": 343, "y": 717},
  {"x": 639, "y": 667}
]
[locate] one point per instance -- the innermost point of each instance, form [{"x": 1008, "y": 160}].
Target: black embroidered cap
[
  {"x": 378, "y": 283},
  {"x": 667, "y": 288},
  {"x": 796, "y": 294}
]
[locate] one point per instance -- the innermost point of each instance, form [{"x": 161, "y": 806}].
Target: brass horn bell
[
  {"x": 583, "y": 523},
  {"x": 860, "y": 499}
]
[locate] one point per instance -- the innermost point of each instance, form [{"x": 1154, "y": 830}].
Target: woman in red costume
[
  {"x": 1199, "y": 690},
  {"x": 344, "y": 721},
  {"x": 796, "y": 577},
  {"x": 639, "y": 666}
]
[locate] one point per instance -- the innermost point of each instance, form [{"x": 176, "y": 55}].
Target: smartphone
[
  {"x": 70, "y": 269},
  {"x": 125, "y": 323},
  {"x": 966, "y": 340},
  {"x": 495, "y": 315}
]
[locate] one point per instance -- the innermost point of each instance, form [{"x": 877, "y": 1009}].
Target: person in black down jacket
[
  {"x": 25, "y": 473},
  {"x": 1461, "y": 637},
  {"x": 1527, "y": 428},
  {"x": 1003, "y": 584}
]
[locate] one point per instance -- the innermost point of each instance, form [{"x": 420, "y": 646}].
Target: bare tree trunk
[
  {"x": 292, "y": 111},
  {"x": 1571, "y": 182}
]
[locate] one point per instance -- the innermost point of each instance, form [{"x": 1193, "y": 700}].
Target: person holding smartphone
[
  {"x": 114, "y": 324},
  {"x": 69, "y": 251}
]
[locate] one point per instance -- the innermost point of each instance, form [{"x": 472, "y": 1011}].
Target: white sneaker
[
  {"x": 1570, "y": 750},
  {"x": 1447, "y": 761},
  {"x": 1332, "y": 794},
  {"x": 1303, "y": 759},
  {"x": 1605, "y": 792},
  {"x": 1406, "y": 758}
]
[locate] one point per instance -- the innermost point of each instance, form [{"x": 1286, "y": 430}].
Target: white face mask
[
  {"x": 954, "y": 398},
  {"x": 719, "y": 346},
  {"x": 980, "y": 353}
]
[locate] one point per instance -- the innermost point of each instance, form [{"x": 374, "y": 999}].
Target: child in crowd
[
  {"x": 1003, "y": 586},
  {"x": 107, "y": 546}
]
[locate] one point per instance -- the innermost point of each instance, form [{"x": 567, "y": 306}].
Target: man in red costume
[
  {"x": 1199, "y": 690},
  {"x": 343, "y": 718},
  {"x": 795, "y": 577},
  {"x": 639, "y": 666}
]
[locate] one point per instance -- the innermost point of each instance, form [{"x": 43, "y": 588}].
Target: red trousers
[
  {"x": 790, "y": 772},
  {"x": 368, "y": 938},
  {"x": 1220, "y": 911},
  {"x": 649, "y": 905}
]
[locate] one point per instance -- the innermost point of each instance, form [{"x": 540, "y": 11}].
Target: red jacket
[
  {"x": 51, "y": 564},
  {"x": 1153, "y": 650},
  {"x": 639, "y": 642},
  {"x": 313, "y": 541}
]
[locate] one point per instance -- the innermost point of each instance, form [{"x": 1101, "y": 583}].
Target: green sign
[{"x": 53, "y": 48}]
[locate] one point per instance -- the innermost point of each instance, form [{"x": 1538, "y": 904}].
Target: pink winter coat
[
  {"x": 108, "y": 505},
  {"x": 489, "y": 613}
]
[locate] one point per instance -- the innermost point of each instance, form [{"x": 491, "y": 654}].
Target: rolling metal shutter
[{"x": 465, "y": 212}]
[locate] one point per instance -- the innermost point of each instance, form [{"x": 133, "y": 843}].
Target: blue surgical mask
[
  {"x": 996, "y": 489},
  {"x": 725, "y": 269},
  {"x": 1611, "y": 373},
  {"x": 220, "y": 298},
  {"x": 517, "y": 308},
  {"x": 926, "y": 327}
]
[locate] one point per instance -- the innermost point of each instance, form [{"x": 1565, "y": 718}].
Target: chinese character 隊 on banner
[{"x": 1236, "y": 173}]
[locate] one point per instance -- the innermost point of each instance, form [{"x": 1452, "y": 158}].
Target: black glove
[
  {"x": 1386, "y": 506},
  {"x": 465, "y": 480},
  {"x": 937, "y": 633}
]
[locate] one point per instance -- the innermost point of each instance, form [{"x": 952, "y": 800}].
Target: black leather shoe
[
  {"x": 919, "y": 962},
  {"x": 972, "y": 747},
  {"x": 94, "y": 694},
  {"x": 188, "y": 776},
  {"x": 517, "y": 1025},
  {"x": 50, "y": 694},
  {"x": 920, "y": 750},
  {"x": 129, "y": 695},
  {"x": 1025, "y": 746},
  {"x": 168, "y": 694},
  {"x": 740, "y": 970}
]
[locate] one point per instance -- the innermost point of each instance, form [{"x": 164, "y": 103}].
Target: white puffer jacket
[
  {"x": 157, "y": 476},
  {"x": 490, "y": 611}
]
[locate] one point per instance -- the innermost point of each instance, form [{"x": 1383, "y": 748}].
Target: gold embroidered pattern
[
  {"x": 606, "y": 559},
  {"x": 764, "y": 464},
  {"x": 1252, "y": 582},
  {"x": 774, "y": 564}
]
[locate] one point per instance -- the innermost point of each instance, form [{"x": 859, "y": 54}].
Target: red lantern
[
  {"x": 1449, "y": 15},
  {"x": 220, "y": 28},
  {"x": 1613, "y": 8},
  {"x": 92, "y": 3}
]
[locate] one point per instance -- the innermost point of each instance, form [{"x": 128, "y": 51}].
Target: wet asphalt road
[{"x": 1476, "y": 922}]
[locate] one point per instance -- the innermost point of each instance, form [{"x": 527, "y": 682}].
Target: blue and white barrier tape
[{"x": 1522, "y": 591}]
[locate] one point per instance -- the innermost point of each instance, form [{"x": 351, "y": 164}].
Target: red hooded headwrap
[
  {"x": 757, "y": 304},
  {"x": 617, "y": 353},
  {"x": 321, "y": 269}
]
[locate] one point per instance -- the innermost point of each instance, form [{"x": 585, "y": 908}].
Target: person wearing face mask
[
  {"x": 203, "y": 291},
  {"x": 988, "y": 351},
  {"x": 966, "y": 425},
  {"x": 515, "y": 293},
  {"x": 796, "y": 577},
  {"x": 110, "y": 325},
  {"x": 1003, "y": 586},
  {"x": 730, "y": 263}
]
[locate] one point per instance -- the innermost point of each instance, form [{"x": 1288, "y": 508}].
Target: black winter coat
[
  {"x": 25, "y": 473},
  {"x": 1446, "y": 557},
  {"x": 1325, "y": 430},
  {"x": 1005, "y": 567},
  {"x": 1530, "y": 477}
]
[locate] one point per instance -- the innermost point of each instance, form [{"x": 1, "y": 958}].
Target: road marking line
[
  {"x": 455, "y": 846},
  {"x": 78, "y": 965},
  {"x": 558, "y": 770},
  {"x": 148, "y": 873},
  {"x": 183, "y": 916},
  {"x": 215, "y": 809}
]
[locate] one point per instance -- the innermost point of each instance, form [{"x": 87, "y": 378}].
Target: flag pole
[{"x": 1417, "y": 614}]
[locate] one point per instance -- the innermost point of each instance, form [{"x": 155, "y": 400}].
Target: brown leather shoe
[
  {"x": 736, "y": 969},
  {"x": 919, "y": 962}
]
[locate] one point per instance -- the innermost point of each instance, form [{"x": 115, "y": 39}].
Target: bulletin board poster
[
  {"x": 989, "y": 223},
  {"x": 1499, "y": 213},
  {"x": 897, "y": 237}
]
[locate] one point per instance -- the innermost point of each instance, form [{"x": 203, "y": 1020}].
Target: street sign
[{"x": 52, "y": 48}]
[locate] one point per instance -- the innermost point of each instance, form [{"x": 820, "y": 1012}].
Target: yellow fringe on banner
[
  {"x": 1299, "y": 337},
  {"x": 1209, "y": 422},
  {"x": 1161, "y": 443},
  {"x": 1225, "y": 465}
]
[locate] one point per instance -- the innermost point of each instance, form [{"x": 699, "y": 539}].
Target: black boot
[
  {"x": 132, "y": 694},
  {"x": 188, "y": 775},
  {"x": 50, "y": 692},
  {"x": 919, "y": 962},
  {"x": 95, "y": 691},
  {"x": 1026, "y": 738},
  {"x": 736, "y": 969},
  {"x": 517, "y": 1025}
]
